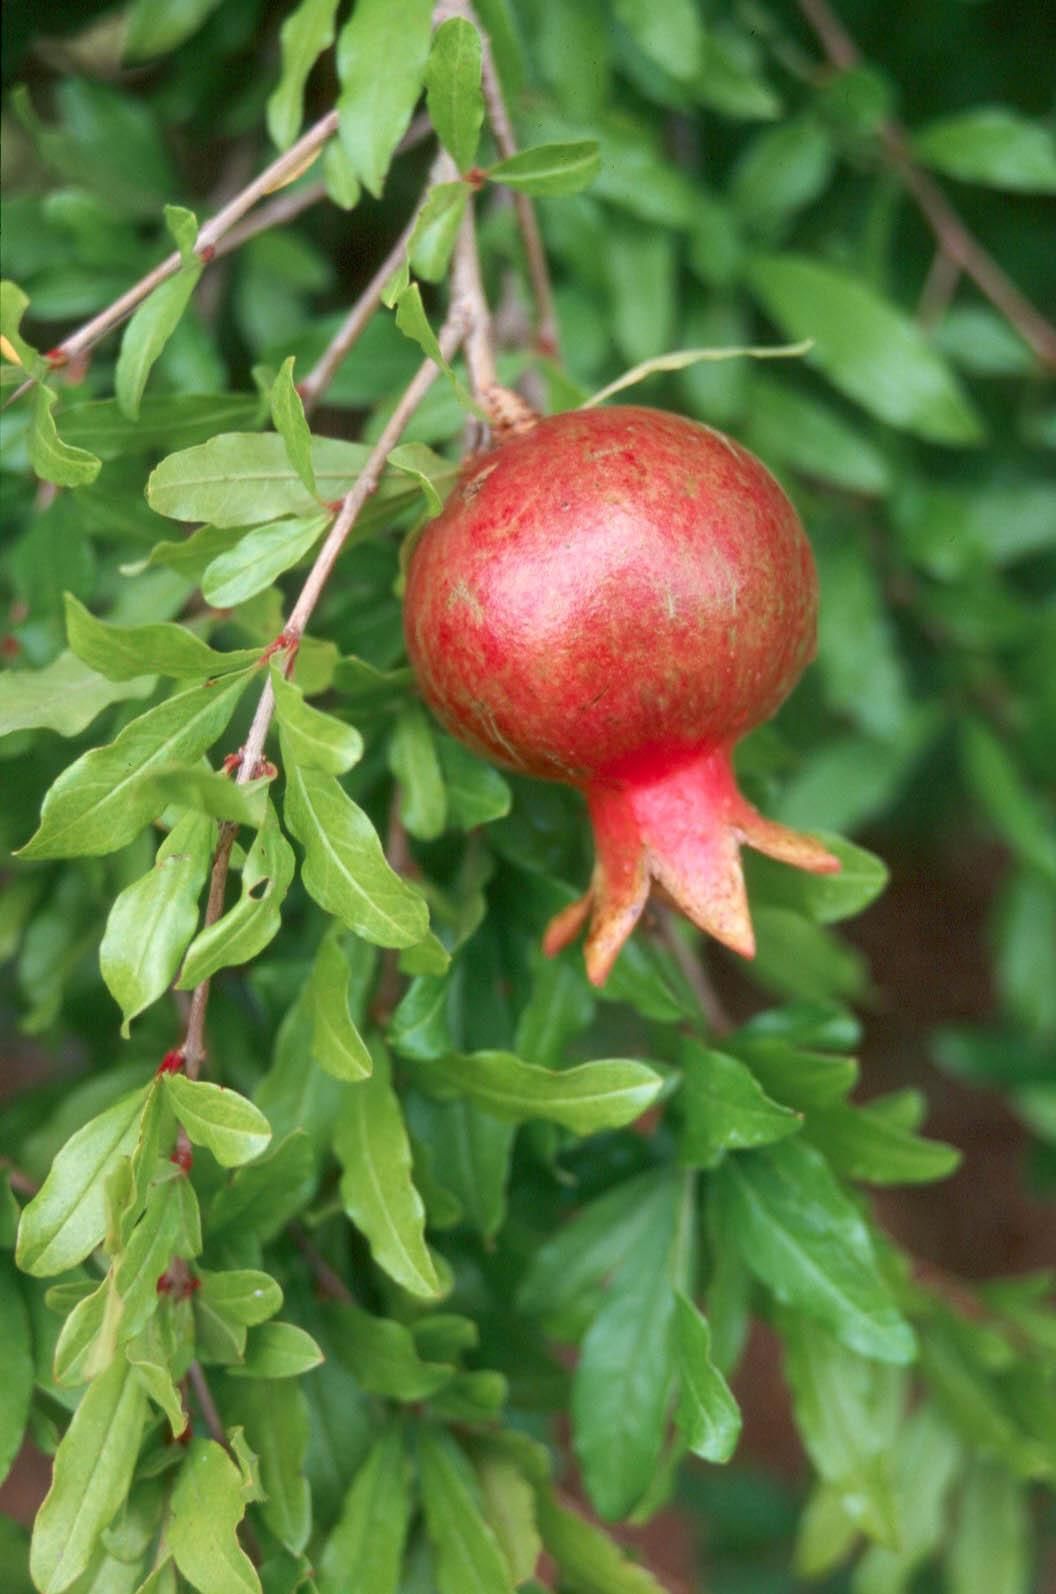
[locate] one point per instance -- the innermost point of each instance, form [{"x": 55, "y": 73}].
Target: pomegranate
[{"x": 611, "y": 598}]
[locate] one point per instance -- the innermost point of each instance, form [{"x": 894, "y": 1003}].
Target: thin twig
[
  {"x": 467, "y": 294},
  {"x": 499, "y": 117},
  {"x": 207, "y": 1405},
  {"x": 366, "y": 484},
  {"x": 292, "y": 202},
  {"x": 330, "y": 1282},
  {"x": 940, "y": 285},
  {"x": 355, "y": 323},
  {"x": 694, "y": 973},
  {"x": 960, "y": 245}
]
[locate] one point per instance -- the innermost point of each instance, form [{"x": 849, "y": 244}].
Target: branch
[
  {"x": 323, "y": 371},
  {"x": 499, "y": 117},
  {"x": 467, "y": 298},
  {"x": 694, "y": 973},
  {"x": 366, "y": 484},
  {"x": 953, "y": 237}
]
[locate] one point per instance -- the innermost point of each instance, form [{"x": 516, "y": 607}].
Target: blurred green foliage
[{"x": 704, "y": 177}]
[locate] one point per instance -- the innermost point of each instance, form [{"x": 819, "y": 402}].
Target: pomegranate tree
[{"x": 611, "y": 598}]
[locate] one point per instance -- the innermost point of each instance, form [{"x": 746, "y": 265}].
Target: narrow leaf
[
  {"x": 254, "y": 920},
  {"x": 305, "y": 34},
  {"x": 452, "y": 88},
  {"x": 233, "y": 1129},
  {"x": 65, "y": 696},
  {"x": 344, "y": 867},
  {"x": 586, "y": 1098},
  {"x": 549, "y": 170},
  {"x": 147, "y": 333},
  {"x": 123, "y": 652},
  {"x": 66, "y": 1219},
  {"x": 103, "y": 800},
  {"x": 51, "y": 458},
  {"x": 376, "y": 106},
  {"x": 287, "y": 414},
  {"x": 372, "y": 1530},
  {"x": 207, "y": 1505},
  {"x": 370, "y": 1140},
  {"x": 240, "y": 478},
  {"x": 707, "y": 1413},
  {"x": 91, "y": 1477},
  {"x": 259, "y": 558},
  {"x": 725, "y": 1107},
  {"x": 681, "y": 358},
  {"x": 316, "y": 740},
  {"x": 337, "y": 1044},
  {"x": 467, "y": 1554}
]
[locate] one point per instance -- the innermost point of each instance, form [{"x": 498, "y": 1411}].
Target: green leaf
[
  {"x": 623, "y": 1381},
  {"x": 372, "y": 1531},
  {"x": 155, "y": 27},
  {"x": 240, "y": 478},
  {"x": 572, "y": 1263},
  {"x": 789, "y": 428},
  {"x": 13, "y": 306},
  {"x": 849, "y": 1411},
  {"x": 370, "y": 1141},
  {"x": 433, "y": 239},
  {"x": 210, "y": 791},
  {"x": 337, "y": 1044},
  {"x": 672, "y": 35},
  {"x": 384, "y": 1358},
  {"x": 259, "y": 558},
  {"x": 274, "y": 1414},
  {"x": 375, "y": 106},
  {"x": 508, "y": 1499},
  {"x": 549, "y": 169},
  {"x": 153, "y": 1242},
  {"x": 344, "y": 867},
  {"x": 230, "y": 1126},
  {"x": 827, "y": 899},
  {"x": 287, "y": 414},
  {"x": 16, "y": 1386},
  {"x": 861, "y": 1144},
  {"x": 277, "y": 1350},
  {"x": 103, "y": 800},
  {"x": 729, "y": 84},
  {"x": 1012, "y": 806},
  {"x": 263, "y": 1197},
  {"x": 989, "y": 1552},
  {"x": 472, "y": 1152},
  {"x": 594, "y": 1562},
  {"x": 245, "y": 1294},
  {"x": 147, "y": 333},
  {"x": 467, "y": 1554},
  {"x": 51, "y": 458},
  {"x": 414, "y": 762},
  {"x": 453, "y": 94},
  {"x": 254, "y": 920},
  {"x": 802, "y": 1237},
  {"x": 427, "y": 468},
  {"x": 926, "y": 1456},
  {"x": 177, "y": 419},
  {"x": 780, "y": 172},
  {"x": 91, "y": 1477},
  {"x": 65, "y": 696},
  {"x": 305, "y": 34},
  {"x": 991, "y": 144},
  {"x": 476, "y": 793},
  {"x": 66, "y": 1219},
  {"x": 707, "y": 1413},
  {"x": 798, "y": 958},
  {"x": 591, "y": 1096},
  {"x": 726, "y": 1108},
  {"x": 128, "y": 652},
  {"x": 316, "y": 740},
  {"x": 867, "y": 348},
  {"x": 342, "y": 184},
  {"x": 414, "y": 324},
  {"x": 207, "y": 1505}
]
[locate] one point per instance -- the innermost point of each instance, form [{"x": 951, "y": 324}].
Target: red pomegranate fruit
[{"x": 612, "y": 598}]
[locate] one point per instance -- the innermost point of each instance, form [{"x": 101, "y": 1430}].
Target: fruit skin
[{"x": 611, "y": 599}]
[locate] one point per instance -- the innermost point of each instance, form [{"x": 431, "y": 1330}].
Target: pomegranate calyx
[{"x": 677, "y": 831}]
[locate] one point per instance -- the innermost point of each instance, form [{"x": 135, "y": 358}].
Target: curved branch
[
  {"x": 953, "y": 237},
  {"x": 193, "y": 1049}
]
